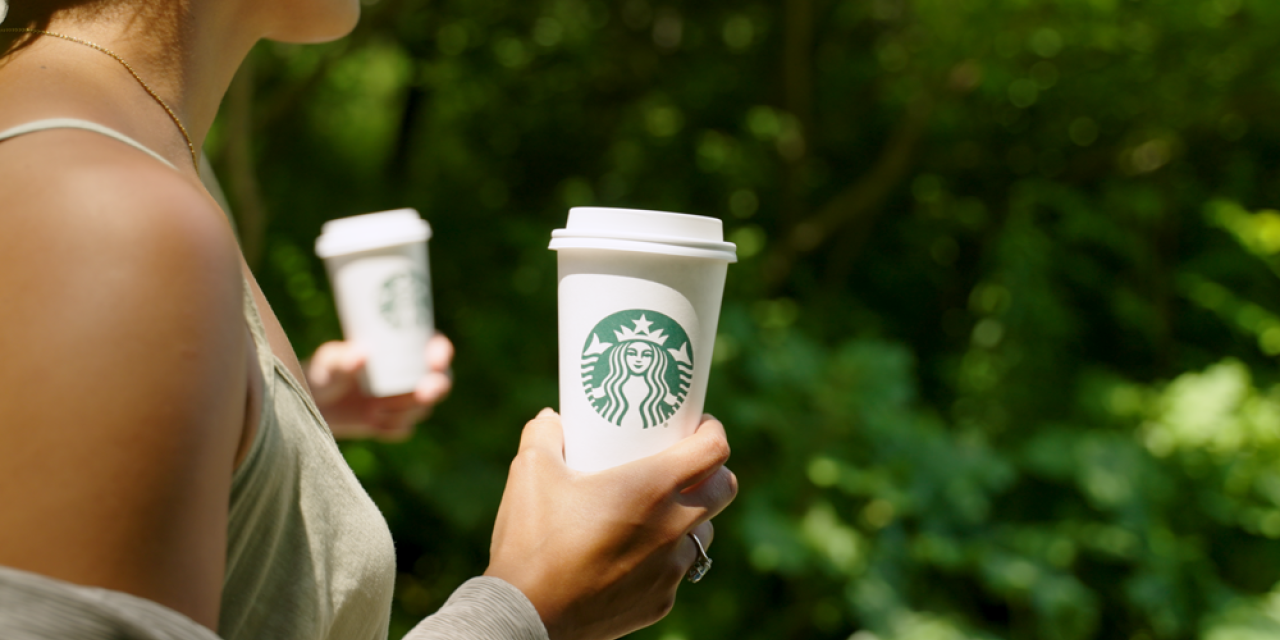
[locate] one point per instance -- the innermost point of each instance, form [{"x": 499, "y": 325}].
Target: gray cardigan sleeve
[
  {"x": 35, "y": 607},
  {"x": 483, "y": 608}
]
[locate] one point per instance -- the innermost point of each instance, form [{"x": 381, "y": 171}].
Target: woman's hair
[
  {"x": 615, "y": 404},
  {"x": 39, "y": 14}
]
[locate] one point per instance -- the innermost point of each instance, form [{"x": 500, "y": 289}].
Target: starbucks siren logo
[
  {"x": 402, "y": 300},
  {"x": 637, "y": 366}
]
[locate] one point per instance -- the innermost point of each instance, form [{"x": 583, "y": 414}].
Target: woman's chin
[{"x": 341, "y": 17}]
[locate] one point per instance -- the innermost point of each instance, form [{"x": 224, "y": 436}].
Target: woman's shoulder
[
  {"x": 58, "y": 165},
  {"x": 83, "y": 194},
  {"x": 123, "y": 386},
  {"x": 92, "y": 228}
]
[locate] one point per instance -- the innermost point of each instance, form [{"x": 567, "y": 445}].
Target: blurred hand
[
  {"x": 332, "y": 375},
  {"x": 601, "y": 554}
]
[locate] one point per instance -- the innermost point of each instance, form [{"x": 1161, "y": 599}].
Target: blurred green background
[{"x": 999, "y": 358}]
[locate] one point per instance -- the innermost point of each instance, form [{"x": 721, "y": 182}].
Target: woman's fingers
[
  {"x": 544, "y": 433},
  {"x": 688, "y": 479},
  {"x": 438, "y": 379},
  {"x": 432, "y": 388},
  {"x": 392, "y": 418},
  {"x": 332, "y": 370},
  {"x": 331, "y": 373},
  {"x": 396, "y": 426},
  {"x": 688, "y": 556},
  {"x": 706, "y": 532},
  {"x": 713, "y": 494},
  {"x": 692, "y": 460},
  {"x": 439, "y": 353},
  {"x": 602, "y": 554}
]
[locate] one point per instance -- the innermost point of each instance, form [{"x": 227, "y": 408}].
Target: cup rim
[
  {"x": 371, "y": 232},
  {"x": 712, "y": 245},
  {"x": 724, "y": 254}
]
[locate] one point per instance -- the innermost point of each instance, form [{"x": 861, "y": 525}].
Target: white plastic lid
[
  {"x": 371, "y": 231},
  {"x": 644, "y": 231}
]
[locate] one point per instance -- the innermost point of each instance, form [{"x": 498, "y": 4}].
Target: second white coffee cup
[{"x": 377, "y": 264}]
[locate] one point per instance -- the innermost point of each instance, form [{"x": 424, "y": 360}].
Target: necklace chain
[{"x": 172, "y": 116}]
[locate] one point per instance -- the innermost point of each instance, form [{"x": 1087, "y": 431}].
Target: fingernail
[{"x": 546, "y": 412}]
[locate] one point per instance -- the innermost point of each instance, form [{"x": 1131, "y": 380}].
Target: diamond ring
[{"x": 700, "y": 566}]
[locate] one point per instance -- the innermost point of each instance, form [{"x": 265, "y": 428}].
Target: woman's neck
[{"x": 185, "y": 52}]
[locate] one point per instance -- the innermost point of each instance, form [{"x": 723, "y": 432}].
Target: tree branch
[
  {"x": 797, "y": 99},
  {"x": 859, "y": 202}
]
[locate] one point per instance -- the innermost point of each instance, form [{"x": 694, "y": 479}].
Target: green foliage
[{"x": 997, "y": 361}]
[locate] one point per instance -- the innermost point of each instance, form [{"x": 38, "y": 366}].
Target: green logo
[
  {"x": 637, "y": 366},
  {"x": 402, "y": 300}
]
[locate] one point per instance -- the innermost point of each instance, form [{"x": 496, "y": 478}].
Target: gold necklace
[{"x": 172, "y": 116}]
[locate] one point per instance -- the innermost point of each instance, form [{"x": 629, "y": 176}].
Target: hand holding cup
[
  {"x": 601, "y": 554},
  {"x": 377, "y": 263},
  {"x": 333, "y": 375}
]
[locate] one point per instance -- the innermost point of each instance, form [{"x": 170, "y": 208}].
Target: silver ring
[{"x": 700, "y": 566}]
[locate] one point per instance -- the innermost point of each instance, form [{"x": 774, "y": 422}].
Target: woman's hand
[
  {"x": 332, "y": 375},
  {"x": 601, "y": 554}
]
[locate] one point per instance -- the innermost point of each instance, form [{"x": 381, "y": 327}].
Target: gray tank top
[{"x": 309, "y": 556}]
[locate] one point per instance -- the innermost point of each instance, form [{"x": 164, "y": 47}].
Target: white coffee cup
[
  {"x": 639, "y": 302},
  {"x": 377, "y": 264}
]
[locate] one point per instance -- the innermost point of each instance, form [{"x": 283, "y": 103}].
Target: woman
[{"x": 166, "y": 471}]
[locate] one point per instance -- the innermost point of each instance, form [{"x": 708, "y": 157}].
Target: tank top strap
[
  {"x": 251, "y": 315},
  {"x": 75, "y": 123}
]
